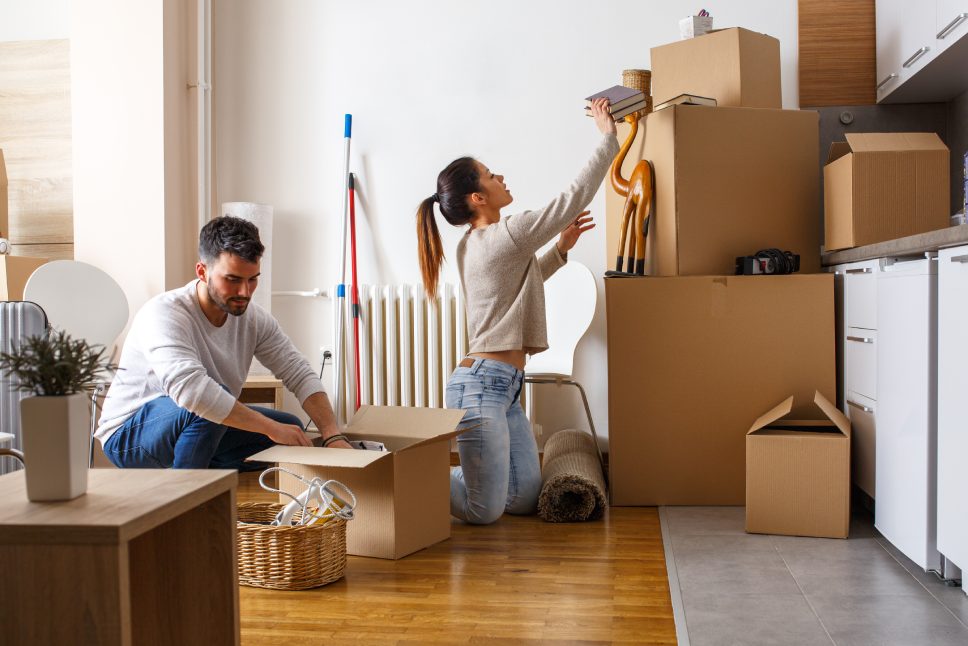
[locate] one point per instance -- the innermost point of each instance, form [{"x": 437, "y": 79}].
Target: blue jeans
[
  {"x": 162, "y": 435},
  {"x": 499, "y": 469}
]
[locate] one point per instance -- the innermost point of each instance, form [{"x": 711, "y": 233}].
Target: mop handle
[{"x": 340, "y": 355}]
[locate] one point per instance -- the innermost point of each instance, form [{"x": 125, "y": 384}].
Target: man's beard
[{"x": 234, "y": 306}]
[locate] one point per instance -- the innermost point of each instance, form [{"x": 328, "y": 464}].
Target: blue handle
[{"x": 348, "y": 126}]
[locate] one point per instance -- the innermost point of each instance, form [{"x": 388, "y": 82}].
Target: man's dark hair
[{"x": 231, "y": 235}]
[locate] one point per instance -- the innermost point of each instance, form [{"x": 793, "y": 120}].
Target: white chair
[
  {"x": 85, "y": 302},
  {"x": 570, "y": 297}
]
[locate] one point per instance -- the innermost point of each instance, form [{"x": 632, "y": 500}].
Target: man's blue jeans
[
  {"x": 499, "y": 469},
  {"x": 161, "y": 435}
]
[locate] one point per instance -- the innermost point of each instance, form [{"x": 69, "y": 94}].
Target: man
[{"x": 174, "y": 401}]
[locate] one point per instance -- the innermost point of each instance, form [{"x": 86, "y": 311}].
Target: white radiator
[{"x": 409, "y": 345}]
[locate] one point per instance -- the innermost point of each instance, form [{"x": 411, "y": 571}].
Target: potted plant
[{"x": 57, "y": 370}]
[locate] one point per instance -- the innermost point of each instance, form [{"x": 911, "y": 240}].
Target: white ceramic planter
[{"x": 56, "y": 441}]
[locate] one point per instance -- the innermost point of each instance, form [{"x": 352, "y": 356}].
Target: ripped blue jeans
[{"x": 499, "y": 469}]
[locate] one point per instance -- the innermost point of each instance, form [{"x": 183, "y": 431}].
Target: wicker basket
[
  {"x": 640, "y": 80},
  {"x": 288, "y": 558}
]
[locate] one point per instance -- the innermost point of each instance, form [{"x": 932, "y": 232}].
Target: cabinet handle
[
  {"x": 944, "y": 33},
  {"x": 915, "y": 56},
  {"x": 860, "y": 406},
  {"x": 862, "y": 270},
  {"x": 962, "y": 259},
  {"x": 885, "y": 81},
  {"x": 860, "y": 339}
]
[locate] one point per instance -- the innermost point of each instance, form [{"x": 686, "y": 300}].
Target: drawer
[
  {"x": 863, "y": 444},
  {"x": 860, "y": 350},
  {"x": 860, "y": 293}
]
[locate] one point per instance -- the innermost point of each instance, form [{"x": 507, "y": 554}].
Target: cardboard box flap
[
  {"x": 778, "y": 411},
  {"x": 421, "y": 424},
  {"x": 3, "y": 170},
  {"x": 893, "y": 141},
  {"x": 832, "y": 413},
  {"x": 318, "y": 456},
  {"x": 837, "y": 150}
]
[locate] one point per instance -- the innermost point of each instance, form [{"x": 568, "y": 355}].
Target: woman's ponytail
[{"x": 429, "y": 247}]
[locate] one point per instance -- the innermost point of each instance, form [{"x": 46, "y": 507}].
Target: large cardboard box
[
  {"x": 14, "y": 272},
  {"x": 691, "y": 360},
  {"x": 880, "y": 186},
  {"x": 798, "y": 472},
  {"x": 729, "y": 182},
  {"x": 403, "y": 494},
  {"x": 737, "y": 67}
]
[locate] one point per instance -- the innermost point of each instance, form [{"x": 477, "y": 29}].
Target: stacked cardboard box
[{"x": 696, "y": 354}]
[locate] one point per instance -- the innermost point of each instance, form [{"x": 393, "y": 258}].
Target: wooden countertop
[
  {"x": 119, "y": 505},
  {"x": 911, "y": 245}
]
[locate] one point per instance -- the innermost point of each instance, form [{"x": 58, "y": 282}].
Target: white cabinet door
[
  {"x": 906, "y": 509},
  {"x": 888, "y": 25},
  {"x": 953, "y": 404},
  {"x": 952, "y": 21},
  {"x": 906, "y": 42}
]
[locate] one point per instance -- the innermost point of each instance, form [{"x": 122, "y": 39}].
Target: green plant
[{"x": 56, "y": 364}]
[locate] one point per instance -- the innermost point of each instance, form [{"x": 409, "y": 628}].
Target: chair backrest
[
  {"x": 80, "y": 299},
  {"x": 570, "y": 297}
]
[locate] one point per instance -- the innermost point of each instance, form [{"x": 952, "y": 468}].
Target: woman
[{"x": 504, "y": 297}]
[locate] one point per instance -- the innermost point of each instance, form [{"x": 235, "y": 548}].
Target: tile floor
[{"x": 730, "y": 587}]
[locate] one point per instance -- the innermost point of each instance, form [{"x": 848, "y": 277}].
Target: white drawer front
[
  {"x": 860, "y": 286},
  {"x": 860, "y": 348},
  {"x": 863, "y": 445}
]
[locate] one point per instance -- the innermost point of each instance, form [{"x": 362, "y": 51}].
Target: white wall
[
  {"x": 428, "y": 81},
  {"x": 33, "y": 20}
]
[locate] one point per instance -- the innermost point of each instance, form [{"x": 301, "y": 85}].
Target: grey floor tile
[
  {"x": 952, "y": 597},
  {"x": 689, "y": 521},
  {"x": 731, "y": 564},
  {"x": 751, "y": 619},
  {"x": 839, "y": 567},
  {"x": 885, "y": 620}
]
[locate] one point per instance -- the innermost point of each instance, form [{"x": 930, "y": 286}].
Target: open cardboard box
[
  {"x": 879, "y": 186},
  {"x": 403, "y": 494},
  {"x": 798, "y": 473}
]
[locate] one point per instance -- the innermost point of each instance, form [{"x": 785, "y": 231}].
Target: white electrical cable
[{"x": 329, "y": 505}]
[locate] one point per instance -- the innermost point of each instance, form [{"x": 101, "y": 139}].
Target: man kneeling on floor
[{"x": 174, "y": 400}]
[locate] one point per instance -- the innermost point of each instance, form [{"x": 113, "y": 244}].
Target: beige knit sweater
[{"x": 501, "y": 276}]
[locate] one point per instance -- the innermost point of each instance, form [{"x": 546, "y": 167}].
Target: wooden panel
[
  {"x": 63, "y": 251},
  {"x": 35, "y": 135},
  {"x": 837, "y": 52}
]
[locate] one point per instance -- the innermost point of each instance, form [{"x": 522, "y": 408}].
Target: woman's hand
[
  {"x": 570, "y": 235},
  {"x": 603, "y": 118}
]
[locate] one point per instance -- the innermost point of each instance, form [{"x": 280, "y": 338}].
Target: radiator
[{"x": 409, "y": 345}]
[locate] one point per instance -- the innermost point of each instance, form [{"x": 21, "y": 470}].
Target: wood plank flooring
[{"x": 519, "y": 581}]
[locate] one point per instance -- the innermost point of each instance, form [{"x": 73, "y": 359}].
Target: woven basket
[
  {"x": 298, "y": 557},
  {"x": 640, "y": 80}
]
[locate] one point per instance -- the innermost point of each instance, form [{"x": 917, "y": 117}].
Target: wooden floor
[{"x": 519, "y": 581}]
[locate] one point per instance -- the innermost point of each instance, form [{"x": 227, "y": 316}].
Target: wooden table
[
  {"x": 262, "y": 389},
  {"x": 147, "y": 556}
]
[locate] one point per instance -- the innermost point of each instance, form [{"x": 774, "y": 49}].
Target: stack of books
[
  {"x": 622, "y": 101},
  {"x": 686, "y": 99}
]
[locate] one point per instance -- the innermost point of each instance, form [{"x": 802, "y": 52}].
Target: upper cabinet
[{"x": 922, "y": 50}]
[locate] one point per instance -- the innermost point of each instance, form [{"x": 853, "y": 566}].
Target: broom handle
[{"x": 340, "y": 363}]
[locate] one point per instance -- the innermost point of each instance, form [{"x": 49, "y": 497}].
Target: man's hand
[
  {"x": 338, "y": 444},
  {"x": 288, "y": 434},
  {"x": 573, "y": 231}
]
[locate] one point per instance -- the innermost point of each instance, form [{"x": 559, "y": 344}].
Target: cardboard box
[
  {"x": 882, "y": 186},
  {"x": 14, "y": 272},
  {"x": 737, "y": 67},
  {"x": 403, "y": 495},
  {"x": 728, "y": 182},
  {"x": 691, "y": 360},
  {"x": 798, "y": 472}
]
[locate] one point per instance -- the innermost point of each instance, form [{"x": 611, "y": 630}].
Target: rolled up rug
[{"x": 572, "y": 483}]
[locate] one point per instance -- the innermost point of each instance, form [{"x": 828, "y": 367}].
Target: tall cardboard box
[
  {"x": 737, "y": 67},
  {"x": 728, "y": 182},
  {"x": 798, "y": 472},
  {"x": 880, "y": 186},
  {"x": 691, "y": 360},
  {"x": 14, "y": 272},
  {"x": 403, "y": 495}
]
